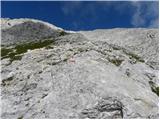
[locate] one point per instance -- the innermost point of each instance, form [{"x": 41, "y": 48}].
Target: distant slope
[{"x": 141, "y": 41}]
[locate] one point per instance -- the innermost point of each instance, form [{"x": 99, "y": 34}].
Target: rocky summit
[{"x": 48, "y": 72}]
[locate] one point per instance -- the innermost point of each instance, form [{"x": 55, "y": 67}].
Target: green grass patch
[
  {"x": 136, "y": 57},
  {"x": 6, "y": 81},
  {"x": 16, "y": 52},
  {"x": 16, "y": 57},
  {"x": 116, "y": 62},
  {"x": 63, "y": 33},
  {"x": 31, "y": 46},
  {"x": 49, "y": 47},
  {"x": 132, "y": 55},
  {"x": 5, "y": 51}
]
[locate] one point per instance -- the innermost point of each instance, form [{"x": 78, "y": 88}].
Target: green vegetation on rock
[
  {"x": 154, "y": 88},
  {"x": 10, "y": 53},
  {"x": 115, "y": 47},
  {"x": 63, "y": 33},
  {"x": 49, "y": 47},
  {"x": 132, "y": 55},
  {"x": 116, "y": 62},
  {"x": 16, "y": 52},
  {"x": 20, "y": 117},
  {"x": 5, "y": 51}
]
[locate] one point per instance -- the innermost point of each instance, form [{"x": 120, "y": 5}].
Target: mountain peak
[{"x": 7, "y": 22}]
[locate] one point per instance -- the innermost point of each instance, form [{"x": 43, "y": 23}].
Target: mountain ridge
[{"x": 87, "y": 74}]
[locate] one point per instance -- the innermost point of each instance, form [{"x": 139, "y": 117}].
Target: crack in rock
[{"x": 105, "y": 109}]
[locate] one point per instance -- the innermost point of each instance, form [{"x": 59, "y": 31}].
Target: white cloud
[
  {"x": 145, "y": 12},
  {"x": 137, "y": 18}
]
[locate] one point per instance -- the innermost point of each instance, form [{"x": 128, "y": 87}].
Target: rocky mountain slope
[{"x": 47, "y": 72}]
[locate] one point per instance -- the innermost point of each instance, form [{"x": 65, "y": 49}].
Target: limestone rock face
[
  {"x": 26, "y": 30},
  {"x": 87, "y": 74}
]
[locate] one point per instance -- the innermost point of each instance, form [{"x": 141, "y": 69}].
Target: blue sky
[{"x": 82, "y": 15}]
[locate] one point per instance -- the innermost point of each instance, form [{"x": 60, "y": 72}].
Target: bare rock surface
[
  {"x": 26, "y": 30},
  {"x": 139, "y": 40},
  {"x": 88, "y": 74}
]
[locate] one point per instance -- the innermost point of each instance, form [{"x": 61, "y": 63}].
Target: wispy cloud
[
  {"x": 144, "y": 13},
  {"x": 137, "y": 19}
]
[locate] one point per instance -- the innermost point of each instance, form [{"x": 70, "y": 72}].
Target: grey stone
[{"x": 86, "y": 74}]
